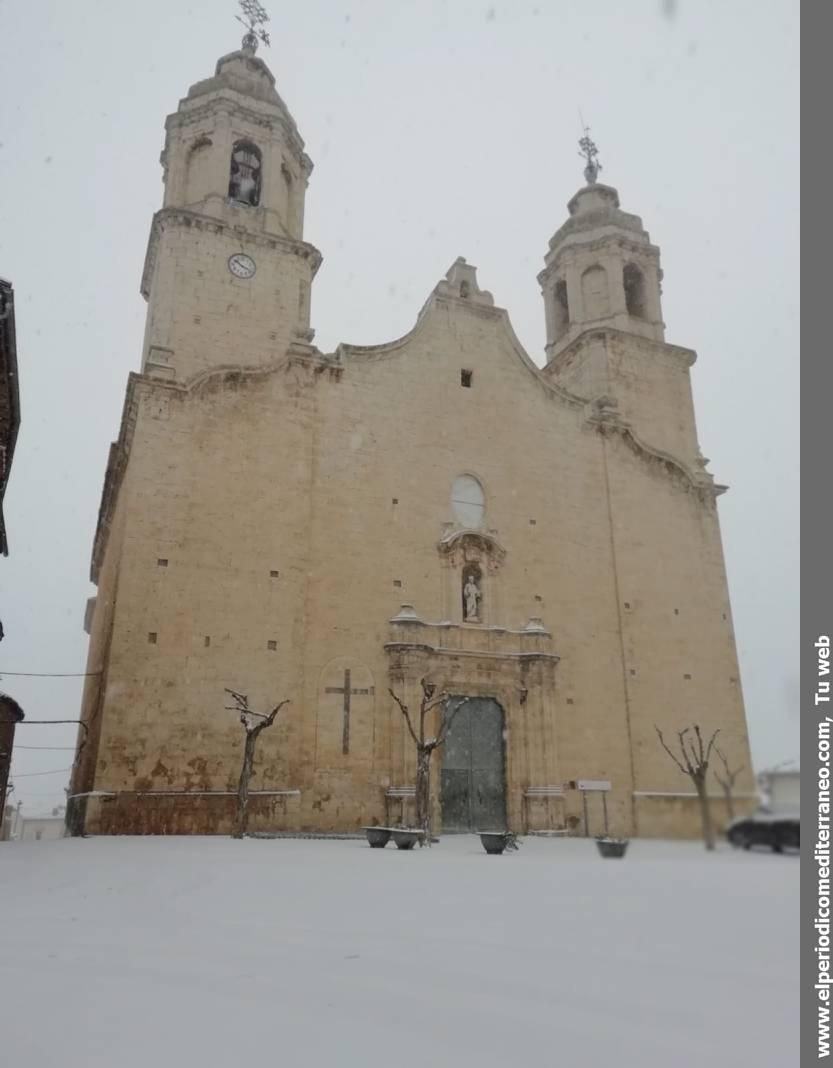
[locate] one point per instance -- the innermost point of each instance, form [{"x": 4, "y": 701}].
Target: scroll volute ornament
[{"x": 463, "y": 547}]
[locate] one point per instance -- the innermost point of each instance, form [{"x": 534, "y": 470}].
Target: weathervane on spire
[
  {"x": 588, "y": 150},
  {"x": 254, "y": 18}
]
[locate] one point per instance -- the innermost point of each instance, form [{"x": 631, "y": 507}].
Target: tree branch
[
  {"x": 688, "y": 762},
  {"x": 699, "y": 737},
  {"x": 709, "y": 747},
  {"x": 270, "y": 719},
  {"x": 668, "y": 751},
  {"x": 731, "y": 776},
  {"x": 404, "y": 709}
]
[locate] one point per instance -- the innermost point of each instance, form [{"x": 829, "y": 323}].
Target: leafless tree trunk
[
  {"x": 727, "y": 782},
  {"x": 695, "y": 764},
  {"x": 254, "y": 722},
  {"x": 425, "y": 747}
]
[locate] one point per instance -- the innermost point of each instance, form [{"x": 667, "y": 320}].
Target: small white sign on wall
[{"x": 600, "y": 785}]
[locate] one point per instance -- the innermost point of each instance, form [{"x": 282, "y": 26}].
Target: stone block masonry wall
[
  {"x": 274, "y": 522},
  {"x": 268, "y": 509},
  {"x": 679, "y": 657},
  {"x": 200, "y": 316}
]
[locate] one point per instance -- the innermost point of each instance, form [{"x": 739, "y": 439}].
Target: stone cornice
[
  {"x": 114, "y": 475},
  {"x": 299, "y": 353},
  {"x": 599, "y": 244},
  {"x": 346, "y": 353},
  {"x": 138, "y": 385},
  {"x": 594, "y": 220},
  {"x": 607, "y": 421},
  {"x": 192, "y": 219},
  {"x": 447, "y": 651},
  {"x": 268, "y": 115},
  {"x": 471, "y": 641},
  {"x": 682, "y": 356},
  {"x": 456, "y": 541}
]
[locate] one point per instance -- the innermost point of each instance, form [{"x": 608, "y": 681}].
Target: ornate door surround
[{"x": 514, "y": 668}]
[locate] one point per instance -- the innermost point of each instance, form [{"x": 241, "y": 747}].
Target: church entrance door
[{"x": 473, "y": 786}]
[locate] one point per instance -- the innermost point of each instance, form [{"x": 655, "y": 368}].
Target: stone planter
[
  {"x": 378, "y": 837},
  {"x": 612, "y": 847},
  {"x": 495, "y": 842},
  {"x": 405, "y": 839}
]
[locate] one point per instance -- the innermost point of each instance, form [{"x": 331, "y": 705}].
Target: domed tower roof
[{"x": 601, "y": 268}]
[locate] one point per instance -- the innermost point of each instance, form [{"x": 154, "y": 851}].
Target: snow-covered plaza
[{"x": 181, "y": 952}]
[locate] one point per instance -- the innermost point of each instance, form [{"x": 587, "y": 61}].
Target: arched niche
[
  {"x": 198, "y": 171},
  {"x": 471, "y": 592},
  {"x": 472, "y": 561}
]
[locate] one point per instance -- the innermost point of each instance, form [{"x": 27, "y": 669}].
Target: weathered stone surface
[{"x": 269, "y": 509}]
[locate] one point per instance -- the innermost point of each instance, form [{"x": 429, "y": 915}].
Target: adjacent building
[
  {"x": 9, "y": 399},
  {"x": 10, "y": 715}
]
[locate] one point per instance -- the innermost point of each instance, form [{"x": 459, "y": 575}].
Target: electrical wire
[
  {"x": 32, "y": 774},
  {"x": 50, "y": 674},
  {"x": 54, "y": 748}
]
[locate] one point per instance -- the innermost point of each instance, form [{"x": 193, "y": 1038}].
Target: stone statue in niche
[
  {"x": 244, "y": 178},
  {"x": 471, "y": 600}
]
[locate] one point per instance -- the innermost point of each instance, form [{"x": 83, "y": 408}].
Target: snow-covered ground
[{"x": 213, "y": 953}]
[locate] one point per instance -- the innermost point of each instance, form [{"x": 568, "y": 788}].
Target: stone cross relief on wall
[{"x": 347, "y": 691}]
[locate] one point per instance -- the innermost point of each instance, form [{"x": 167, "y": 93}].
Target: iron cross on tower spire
[
  {"x": 254, "y": 19},
  {"x": 588, "y": 150}
]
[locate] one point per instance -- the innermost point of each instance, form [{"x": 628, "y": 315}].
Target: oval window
[{"x": 468, "y": 502}]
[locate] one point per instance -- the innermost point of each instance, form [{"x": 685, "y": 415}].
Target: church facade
[{"x": 328, "y": 527}]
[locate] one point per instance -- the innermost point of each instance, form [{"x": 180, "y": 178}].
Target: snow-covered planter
[
  {"x": 378, "y": 837},
  {"x": 405, "y": 838},
  {"x": 495, "y": 842},
  {"x": 612, "y": 847}
]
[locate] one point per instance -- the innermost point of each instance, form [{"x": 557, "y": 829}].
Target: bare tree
[
  {"x": 431, "y": 700},
  {"x": 695, "y": 764},
  {"x": 727, "y": 782},
  {"x": 254, "y": 722}
]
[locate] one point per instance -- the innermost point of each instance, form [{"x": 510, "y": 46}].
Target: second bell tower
[
  {"x": 605, "y": 333},
  {"x": 228, "y": 275}
]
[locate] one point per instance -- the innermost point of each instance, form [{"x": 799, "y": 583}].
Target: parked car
[{"x": 776, "y": 831}]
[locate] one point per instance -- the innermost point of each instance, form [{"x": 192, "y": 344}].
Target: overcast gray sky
[{"x": 438, "y": 129}]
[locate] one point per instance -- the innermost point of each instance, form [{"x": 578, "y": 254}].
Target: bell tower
[
  {"x": 228, "y": 274},
  {"x": 605, "y": 332},
  {"x": 601, "y": 268}
]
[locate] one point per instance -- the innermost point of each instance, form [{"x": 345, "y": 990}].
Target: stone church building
[{"x": 324, "y": 527}]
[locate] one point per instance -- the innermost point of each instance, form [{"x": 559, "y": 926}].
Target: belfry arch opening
[
  {"x": 634, "y": 283},
  {"x": 245, "y": 174},
  {"x": 561, "y": 308},
  {"x": 594, "y": 293}
]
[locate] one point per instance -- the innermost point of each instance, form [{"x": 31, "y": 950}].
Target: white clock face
[{"x": 241, "y": 265}]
